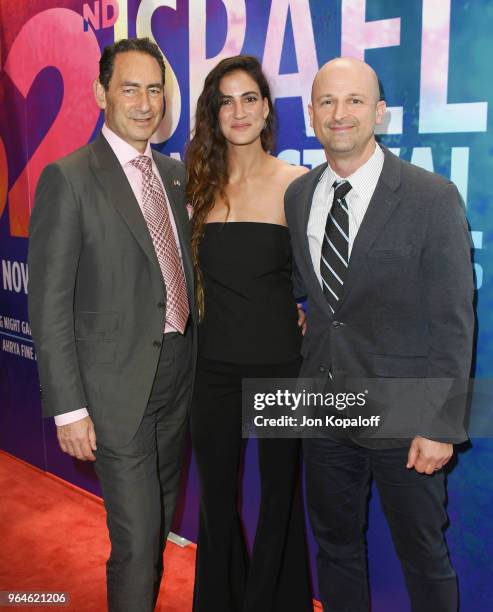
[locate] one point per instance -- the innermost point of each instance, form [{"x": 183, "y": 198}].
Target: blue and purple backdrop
[{"x": 434, "y": 60}]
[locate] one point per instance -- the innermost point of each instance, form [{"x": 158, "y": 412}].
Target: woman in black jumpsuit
[{"x": 249, "y": 329}]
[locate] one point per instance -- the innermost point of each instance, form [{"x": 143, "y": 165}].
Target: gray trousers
[{"x": 140, "y": 483}]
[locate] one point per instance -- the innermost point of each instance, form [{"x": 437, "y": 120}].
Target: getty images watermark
[
  {"x": 304, "y": 402},
  {"x": 389, "y": 408}
]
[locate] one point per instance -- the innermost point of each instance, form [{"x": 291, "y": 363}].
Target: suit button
[
  {"x": 156, "y": 343},
  {"x": 161, "y": 305},
  {"x": 321, "y": 369},
  {"x": 336, "y": 323}
]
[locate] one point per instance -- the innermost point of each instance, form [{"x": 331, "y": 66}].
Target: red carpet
[{"x": 54, "y": 538}]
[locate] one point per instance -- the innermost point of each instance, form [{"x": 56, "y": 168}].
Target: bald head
[
  {"x": 344, "y": 112},
  {"x": 349, "y": 70}
]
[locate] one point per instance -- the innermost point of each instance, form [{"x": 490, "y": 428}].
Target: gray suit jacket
[
  {"x": 406, "y": 309},
  {"x": 96, "y": 293}
]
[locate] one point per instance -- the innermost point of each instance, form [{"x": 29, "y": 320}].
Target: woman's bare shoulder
[{"x": 287, "y": 171}]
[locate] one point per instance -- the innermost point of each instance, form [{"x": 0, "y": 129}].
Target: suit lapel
[
  {"x": 114, "y": 182},
  {"x": 382, "y": 205},
  {"x": 306, "y": 197}
]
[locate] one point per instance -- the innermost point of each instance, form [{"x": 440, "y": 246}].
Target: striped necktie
[{"x": 335, "y": 246}]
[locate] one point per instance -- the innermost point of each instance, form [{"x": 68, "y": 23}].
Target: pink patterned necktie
[{"x": 156, "y": 214}]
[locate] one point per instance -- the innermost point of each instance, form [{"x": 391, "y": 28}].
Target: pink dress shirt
[{"x": 125, "y": 153}]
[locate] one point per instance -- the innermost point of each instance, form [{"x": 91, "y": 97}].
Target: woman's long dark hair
[{"x": 206, "y": 156}]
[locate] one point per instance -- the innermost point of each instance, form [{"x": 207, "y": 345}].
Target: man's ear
[
  {"x": 380, "y": 111},
  {"x": 310, "y": 114},
  {"x": 99, "y": 94}
]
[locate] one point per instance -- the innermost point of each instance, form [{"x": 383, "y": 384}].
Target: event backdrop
[{"x": 434, "y": 59}]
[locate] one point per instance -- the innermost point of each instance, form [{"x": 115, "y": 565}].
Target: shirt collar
[
  {"x": 123, "y": 151},
  {"x": 365, "y": 175}
]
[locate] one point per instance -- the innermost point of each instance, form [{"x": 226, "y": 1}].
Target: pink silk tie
[{"x": 156, "y": 215}]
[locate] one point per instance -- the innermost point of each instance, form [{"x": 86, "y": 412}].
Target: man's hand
[
  {"x": 301, "y": 318},
  {"x": 427, "y": 456},
  {"x": 78, "y": 439}
]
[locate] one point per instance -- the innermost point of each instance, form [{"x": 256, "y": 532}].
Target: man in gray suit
[
  {"x": 382, "y": 252},
  {"x": 111, "y": 307}
]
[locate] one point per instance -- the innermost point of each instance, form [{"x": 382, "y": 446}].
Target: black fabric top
[{"x": 250, "y": 312}]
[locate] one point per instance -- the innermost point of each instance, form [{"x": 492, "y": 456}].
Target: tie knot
[
  {"x": 341, "y": 189},
  {"x": 143, "y": 163}
]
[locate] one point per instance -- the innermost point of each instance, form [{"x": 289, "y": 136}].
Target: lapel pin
[{"x": 176, "y": 183}]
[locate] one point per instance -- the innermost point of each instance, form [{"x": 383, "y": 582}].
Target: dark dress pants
[
  {"x": 276, "y": 577},
  {"x": 140, "y": 483},
  {"x": 338, "y": 477}
]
